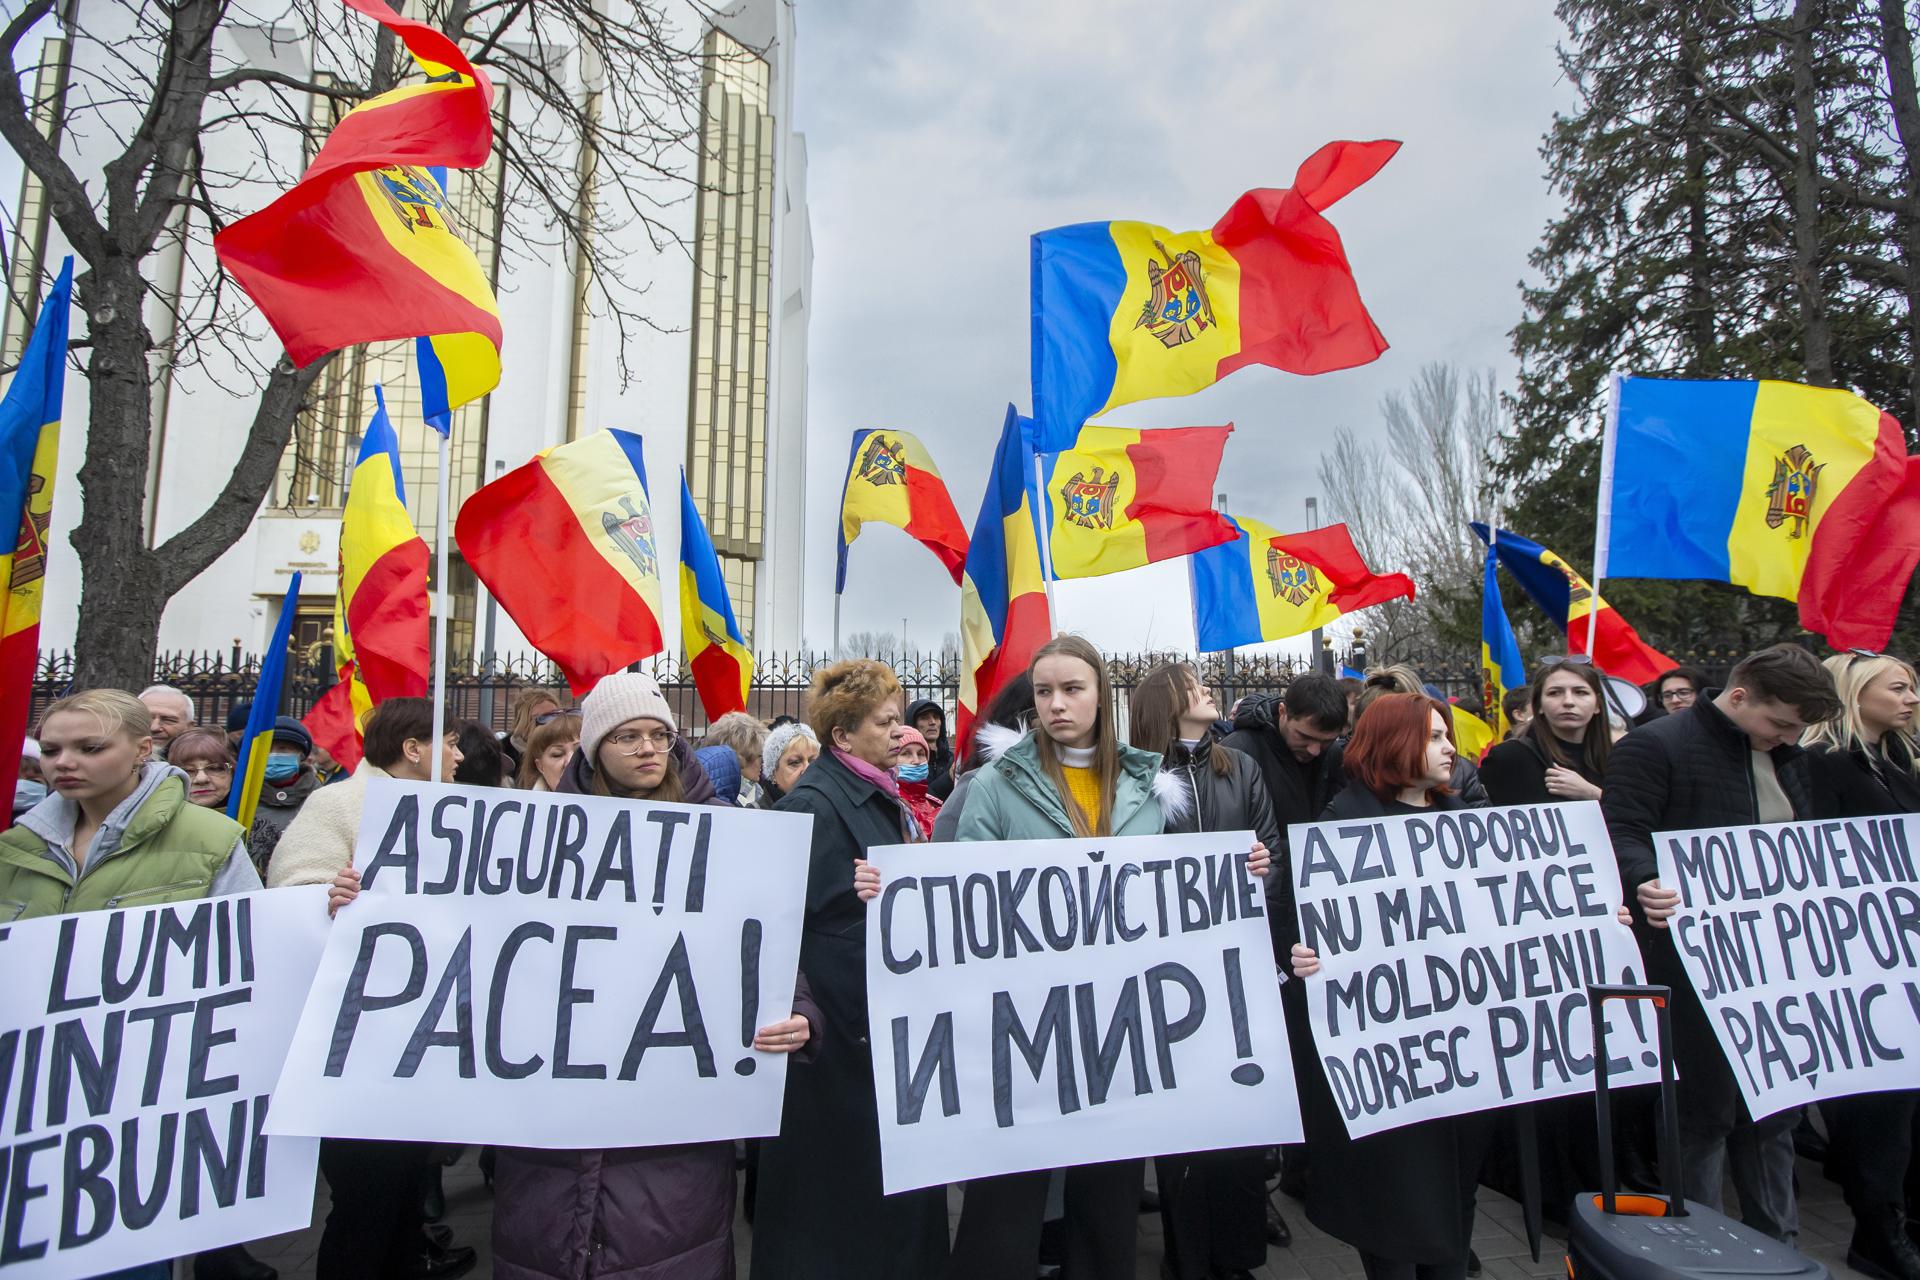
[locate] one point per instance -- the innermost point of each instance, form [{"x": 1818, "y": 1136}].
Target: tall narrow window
[{"x": 29, "y": 249}]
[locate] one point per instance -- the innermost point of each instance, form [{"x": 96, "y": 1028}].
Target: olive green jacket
[{"x": 155, "y": 847}]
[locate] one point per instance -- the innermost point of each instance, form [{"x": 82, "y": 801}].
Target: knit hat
[
  {"x": 287, "y": 729},
  {"x": 237, "y": 715},
  {"x": 778, "y": 740},
  {"x": 620, "y": 697},
  {"x": 908, "y": 735}
]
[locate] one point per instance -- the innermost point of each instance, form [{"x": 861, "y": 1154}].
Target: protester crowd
[{"x": 122, "y": 802}]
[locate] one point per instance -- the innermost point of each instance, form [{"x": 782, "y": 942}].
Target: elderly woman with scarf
[{"x": 821, "y": 1213}]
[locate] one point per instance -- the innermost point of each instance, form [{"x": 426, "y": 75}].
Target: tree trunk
[
  {"x": 1816, "y": 332},
  {"x": 1896, "y": 46},
  {"x": 1703, "y": 359},
  {"x": 120, "y": 594}
]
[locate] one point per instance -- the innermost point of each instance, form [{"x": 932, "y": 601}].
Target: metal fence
[{"x": 217, "y": 681}]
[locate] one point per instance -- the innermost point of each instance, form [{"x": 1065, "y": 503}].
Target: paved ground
[{"x": 1499, "y": 1239}]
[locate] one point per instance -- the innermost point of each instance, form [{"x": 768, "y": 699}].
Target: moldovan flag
[
  {"x": 29, "y": 448},
  {"x": 1003, "y": 600},
  {"x": 250, "y": 775},
  {"x": 1567, "y": 598},
  {"x": 1501, "y": 668},
  {"x": 716, "y": 651},
  {"x": 1268, "y": 585},
  {"x": 1804, "y": 493},
  {"x": 362, "y": 248},
  {"x": 380, "y": 617},
  {"x": 1126, "y": 311},
  {"x": 891, "y": 479},
  {"x": 1471, "y": 735},
  {"x": 1119, "y": 499},
  {"x": 566, "y": 544}
]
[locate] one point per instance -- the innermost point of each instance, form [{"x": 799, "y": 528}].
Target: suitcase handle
[{"x": 1661, "y": 998}]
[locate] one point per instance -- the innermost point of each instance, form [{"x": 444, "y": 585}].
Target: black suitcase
[{"x": 1611, "y": 1236}]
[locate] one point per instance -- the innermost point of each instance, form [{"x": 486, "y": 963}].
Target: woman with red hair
[{"x": 1403, "y": 1198}]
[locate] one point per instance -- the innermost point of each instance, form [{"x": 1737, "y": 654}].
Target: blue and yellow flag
[
  {"x": 251, "y": 774},
  {"x": 1004, "y": 614},
  {"x": 716, "y": 651},
  {"x": 1501, "y": 667}
]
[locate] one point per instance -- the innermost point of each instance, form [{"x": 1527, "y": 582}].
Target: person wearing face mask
[
  {"x": 1729, "y": 760},
  {"x": 31, "y": 788},
  {"x": 290, "y": 780},
  {"x": 913, "y": 773},
  {"x": 1863, "y": 765}
]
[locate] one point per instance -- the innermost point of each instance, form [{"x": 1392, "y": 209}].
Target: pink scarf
[{"x": 878, "y": 777}]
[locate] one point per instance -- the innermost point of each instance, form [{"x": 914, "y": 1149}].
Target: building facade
[{"x": 715, "y": 382}]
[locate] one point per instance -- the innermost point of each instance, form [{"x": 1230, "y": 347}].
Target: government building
[{"x": 715, "y": 380}]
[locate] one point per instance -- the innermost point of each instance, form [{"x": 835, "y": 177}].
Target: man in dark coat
[{"x": 1729, "y": 760}]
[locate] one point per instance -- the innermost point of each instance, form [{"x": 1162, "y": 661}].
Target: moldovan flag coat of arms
[
  {"x": 361, "y": 248},
  {"x": 1120, "y": 499},
  {"x": 1268, "y": 585},
  {"x": 566, "y": 544},
  {"x": 29, "y": 448},
  {"x": 1804, "y": 493},
  {"x": 1126, "y": 311},
  {"x": 891, "y": 479}
]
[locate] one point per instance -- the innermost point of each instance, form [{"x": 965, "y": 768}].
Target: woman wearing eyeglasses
[
  {"x": 1561, "y": 755},
  {"x": 204, "y": 756},
  {"x": 634, "y": 1211},
  {"x": 1863, "y": 765}
]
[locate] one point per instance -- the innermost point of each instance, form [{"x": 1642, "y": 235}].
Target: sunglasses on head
[
  {"x": 548, "y": 717},
  {"x": 1566, "y": 660}
]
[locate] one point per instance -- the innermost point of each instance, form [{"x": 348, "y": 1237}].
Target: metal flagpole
[
  {"x": 1043, "y": 522},
  {"x": 440, "y": 620},
  {"x": 836, "y": 624},
  {"x": 1603, "y": 508}
]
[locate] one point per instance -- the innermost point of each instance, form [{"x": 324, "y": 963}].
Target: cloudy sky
[{"x": 941, "y": 136}]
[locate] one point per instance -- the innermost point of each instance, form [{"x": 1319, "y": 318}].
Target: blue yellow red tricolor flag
[
  {"x": 1501, "y": 668},
  {"x": 29, "y": 450},
  {"x": 1804, "y": 493},
  {"x": 590, "y": 599},
  {"x": 1126, "y": 311},
  {"x": 891, "y": 479},
  {"x": 380, "y": 619},
  {"x": 1567, "y": 598},
  {"x": 716, "y": 650},
  {"x": 1003, "y": 598},
  {"x": 1119, "y": 498},
  {"x": 361, "y": 249},
  {"x": 250, "y": 775},
  {"x": 1268, "y": 585}
]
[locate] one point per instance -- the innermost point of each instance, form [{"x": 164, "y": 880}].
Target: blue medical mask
[
  {"x": 283, "y": 766},
  {"x": 28, "y": 793},
  {"x": 912, "y": 772}
]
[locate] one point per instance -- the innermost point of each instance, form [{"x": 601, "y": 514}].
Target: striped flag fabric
[
  {"x": 29, "y": 450},
  {"x": 1501, "y": 667},
  {"x": 1120, "y": 498},
  {"x": 716, "y": 651},
  {"x": 1567, "y": 598},
  {"x": 891, "y": 479},
  {"x": 250, "y": 775}
]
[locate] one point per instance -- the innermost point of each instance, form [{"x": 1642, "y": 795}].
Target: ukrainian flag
[
  {"x": 362, "y": 248},
  {"x": 716, "y": 651},
  {"x": 590, "y": 598},
  {"x": 1003, "y": 600},
  {"x": 1126, "y": 311},
  {"x": 251, "y": 774},
  {"x": 29, "y": 450},
  {"x": 1502, "y": 669},
  {"x": 1790, "y": 491}
]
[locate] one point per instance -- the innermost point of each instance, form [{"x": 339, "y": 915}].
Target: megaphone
[{"x": 1625, "y": 699}]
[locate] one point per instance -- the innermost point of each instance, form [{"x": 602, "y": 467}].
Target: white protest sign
[
  {"x": 1456, "y": 948},
  {"x": 1801, "y": 940},
  {"x": 137, "y": 1052},
  {"x": 544, "y": 970},
  {"x": 1039, "y": 1003}
]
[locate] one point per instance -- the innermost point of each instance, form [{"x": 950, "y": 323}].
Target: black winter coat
[
  {"x": 1234, "y": 800},
  {"x": 1407, "y": 1193},
  {"x": 1852, "y": 784},
  {"x": 1297, "y": 791},
  {"x": 819, "y": 1213},
  {"x": 1685, "y": 771},
  {"x": 1515, "y": 772},
  {"x": 1465, "y": 784}
]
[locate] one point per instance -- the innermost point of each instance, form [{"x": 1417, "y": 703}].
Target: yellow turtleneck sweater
[{"x": 1083, "y": 785}]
